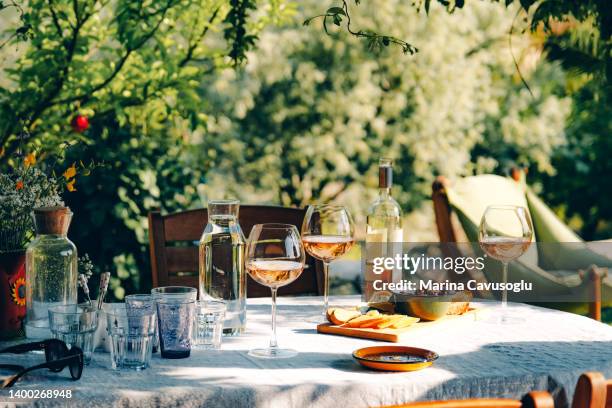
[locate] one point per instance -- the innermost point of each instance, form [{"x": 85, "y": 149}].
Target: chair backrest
[
  {"x": 442, "y": 210},
  {"x": 173, "y": 241},
  {"x": 535, "y": 399},
  {"x": 470, "y": 196},
  {"x": 592, "y": 391}
]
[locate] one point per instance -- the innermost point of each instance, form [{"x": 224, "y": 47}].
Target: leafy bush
[
  {"x": 133, "y": 68},
  {"x": 310, "y": 116}
]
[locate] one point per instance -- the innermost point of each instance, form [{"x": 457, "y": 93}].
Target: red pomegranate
[{"x": 80, "y": 123}]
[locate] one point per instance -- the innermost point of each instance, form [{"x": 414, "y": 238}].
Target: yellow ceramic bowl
[{"x": 395, "y": 358}]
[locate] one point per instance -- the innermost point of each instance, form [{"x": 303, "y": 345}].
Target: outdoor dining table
[{"x": 548, "y": 351}]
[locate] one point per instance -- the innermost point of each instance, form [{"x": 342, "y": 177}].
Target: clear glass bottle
[
  {"x": 51, "y": 269},
  {"x": 384, "y": 233},
  {"x": 222, "y": 274}
]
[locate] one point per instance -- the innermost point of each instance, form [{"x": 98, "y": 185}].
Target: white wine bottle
[{"x": 384, "y": 234}]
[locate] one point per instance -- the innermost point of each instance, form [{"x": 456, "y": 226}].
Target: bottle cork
[
  {"x": 52, "y": 220},
  {"x": 385, "y": 173}
]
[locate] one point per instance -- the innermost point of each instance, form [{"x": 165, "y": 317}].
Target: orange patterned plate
[{"x": 395, "y": 358}]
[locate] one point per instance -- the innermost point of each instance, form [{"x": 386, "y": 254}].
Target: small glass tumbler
[
  {"x": 170, "y": 292},
  {"x": 140, "y": 304},
  {"x": 175, "y": 319},
  {"x": 75, "y": 325},
  {"x": 131, "y": 337},
  {"x": 209, "y": 324}
]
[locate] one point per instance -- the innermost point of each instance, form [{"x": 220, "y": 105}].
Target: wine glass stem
[
  {"x": 325, "y": 286},
  {"x": 504, "y": 280},
  {"x": 273, "y": 343}
]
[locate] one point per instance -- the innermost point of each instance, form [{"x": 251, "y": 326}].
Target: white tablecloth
[{"x": 546, "y": 352}]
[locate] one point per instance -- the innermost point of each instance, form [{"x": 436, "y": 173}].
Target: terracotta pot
[{"x": 12, "y": 294}]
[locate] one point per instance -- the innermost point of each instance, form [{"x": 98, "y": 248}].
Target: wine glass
[
  {"x": 327, "y": 233},
  {"x": 505, "y": 234},
  {"x": 274, "y": 258}
]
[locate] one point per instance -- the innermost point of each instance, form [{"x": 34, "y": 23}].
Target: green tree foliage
[
  {"x": 540, "y": 14},
  {"x": 134, "y": 69},
  {"x": 578, "y": 34},
  {"x": 579, "y": 187},
  {"x": 96, "y": 56},
  {"x": 309, "y": 118}
]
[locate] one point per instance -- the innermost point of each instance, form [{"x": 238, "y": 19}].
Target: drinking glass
[
  {"x": 505, "y": 234},
  {"x": 75, "y": 325},
  {"x": 327, "y": 233},
  {"x": 131, "y": 337},
  {"x": 274, "y": 258},
  {"x": 171, "y": 292},
  {"x": 140, "y": 304},
  {"x": 210, "y": 315},
  {"x": 175, "y": 319}
]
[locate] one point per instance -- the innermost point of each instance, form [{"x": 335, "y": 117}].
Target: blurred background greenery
[{"x": 305, "y": 116}]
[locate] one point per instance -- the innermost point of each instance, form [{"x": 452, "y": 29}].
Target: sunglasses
[{"x": 57, "y": 356}]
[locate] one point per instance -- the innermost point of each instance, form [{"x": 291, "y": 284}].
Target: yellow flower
[
  {"x": 70, "y": 185},
  {"x": 19, "y": 185},
  {"x": 30, "y": 160},
  {"x": 70, "y": 172},
  {"x": 17, "y": 290}
]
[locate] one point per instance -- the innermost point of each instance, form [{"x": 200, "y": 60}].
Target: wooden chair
[
  {"x": 535, "y": 399},
  {"x": 173, "y": 243},
  {"x": 447, "y": 231},
  {"x": 592, "y": 391}
]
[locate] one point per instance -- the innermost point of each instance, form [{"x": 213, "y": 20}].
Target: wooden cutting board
[{"x": 390, "y": 335}]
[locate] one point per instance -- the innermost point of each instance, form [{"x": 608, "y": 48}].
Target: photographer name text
[{"x": 448, "y": 286}]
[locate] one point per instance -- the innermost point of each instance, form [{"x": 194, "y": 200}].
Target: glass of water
[
  {"x": 75, "y": 324},
  {"x": 209, "y": 324},
  {"x": 175, "y": 319},
  {"x": 143, "y": 304},
  {"x": 131, "y": 337}
]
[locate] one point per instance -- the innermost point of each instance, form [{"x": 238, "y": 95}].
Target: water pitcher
[
  {"x": 222, "y": 274},
  {"x": 51, "y": 269}
]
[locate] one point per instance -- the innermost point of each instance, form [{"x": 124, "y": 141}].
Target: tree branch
[
  {"x": 516, "y": 65},
  {"x": 376, "y": 41},
  {"x": 75, "y": 8},
  {"x": 192, "y": 46},
  {"x": 46, "y": 102},
  {"x": 156, "y": 93},
  {"x": 58, "y": 27},
  {"x": 8, "y": 40},
  {"x": 20, "y": 11},
  {"x": 118, "y": 66}
]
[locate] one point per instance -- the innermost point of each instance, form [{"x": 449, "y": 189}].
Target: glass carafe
[
  {"x": 222, "y": 274},
  {"x": 51, "y": 269}
]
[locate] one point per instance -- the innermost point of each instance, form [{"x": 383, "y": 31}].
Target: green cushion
[
  {"x": 470, "y": 196},
  {"x": 569, "y": 251},
  {"x": 547, "y": 225}
]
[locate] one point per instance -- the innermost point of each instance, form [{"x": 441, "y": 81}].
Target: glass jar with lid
[{"x": 51, "y": 269}]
